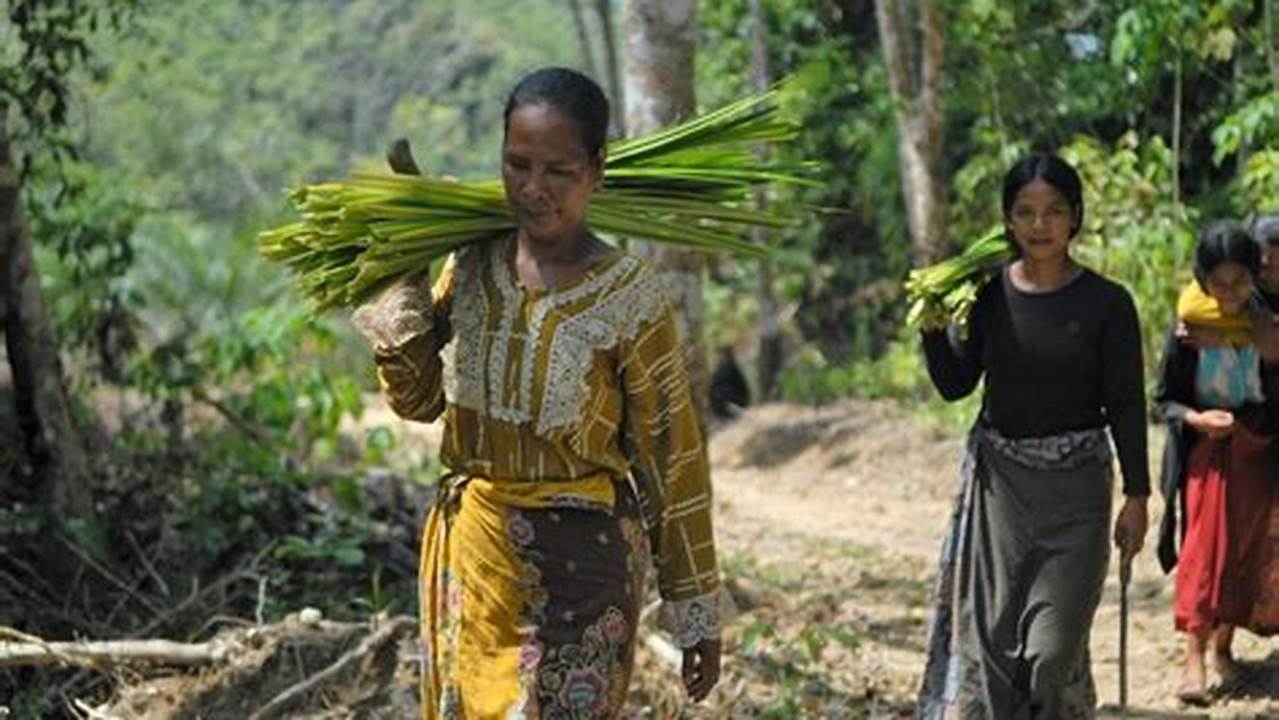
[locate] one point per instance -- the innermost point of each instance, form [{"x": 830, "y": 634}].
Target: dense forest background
[{"x": 144, "y": 144}]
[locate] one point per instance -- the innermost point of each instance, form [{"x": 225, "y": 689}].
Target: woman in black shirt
[{"x": 1023, "y": 565}]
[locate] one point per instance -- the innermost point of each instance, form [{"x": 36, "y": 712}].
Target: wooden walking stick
[{"x": 1125, "y": 574}]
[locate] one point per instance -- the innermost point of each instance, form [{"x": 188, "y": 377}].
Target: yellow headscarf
[{"x": 1196, "y": 307}]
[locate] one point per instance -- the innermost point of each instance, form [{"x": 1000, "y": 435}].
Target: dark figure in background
[
  {"x": 115, "y": 339},
  {"x": 730, "y": 394}
]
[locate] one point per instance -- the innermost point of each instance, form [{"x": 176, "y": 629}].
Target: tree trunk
[
  {"x": 1272, "y": 45},
  {"x": 583, "y": 38},
  {"x": 769, "y": 363},
  {"x": 915, "y": 85},
  {"x": 59, "y": 468},
  {"x": 1176, "y": 130},
  {"x": 1240, "y": 84},
  {"x": 605, "y": 18},
  {"x": 660, "y": 42}
]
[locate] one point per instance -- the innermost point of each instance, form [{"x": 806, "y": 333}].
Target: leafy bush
[
  {"x": 1134, "y": 232},
  {"x": 898, "y": 374}
]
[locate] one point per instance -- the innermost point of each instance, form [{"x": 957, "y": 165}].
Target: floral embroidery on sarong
[{"x": 578, "y": 681}]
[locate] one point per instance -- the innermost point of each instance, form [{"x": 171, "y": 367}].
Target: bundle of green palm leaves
[
  {"x": 945, "y": 292},
  {"x": 689, "y": 185}
]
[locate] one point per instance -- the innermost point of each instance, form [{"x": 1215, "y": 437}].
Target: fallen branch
[
  {"x": 105, "y": 653},
  {"x": 246, "y": 569},
  {"x": 369, "y": 645}
]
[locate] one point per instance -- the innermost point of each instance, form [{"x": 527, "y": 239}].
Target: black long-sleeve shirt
[{"x": 1054, "y": 362}]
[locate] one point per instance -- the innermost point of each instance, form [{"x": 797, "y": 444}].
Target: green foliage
[
  {"x": 978, "y": 183},
  {"x": 1251, "y": 125},
  {"x": 898, "y": 374},
  {"x": 793, "y": 667},
  {"x": 1151, "y": 33},
  {"x": 832, "y": 266},
  {"x": 796, "y": 651},
  {"x": 45, "y": 40},
  {"x": 1260, "y": 180},
  {"x": 1133, "y": 231},
  {"x": 262, "y": 370},
  {"x": 945, "y": 292},
  {"x": 379, "y": 442},
  {"x": 1252, "y": 133},
  {"x": 258, "y": 97},
  {"x": 85, "y": 223}
]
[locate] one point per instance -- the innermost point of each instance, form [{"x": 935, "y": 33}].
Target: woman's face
[
  {"x": 1231, "y": 285},
  {"x": 1040, "y": 220},
  {"x": 548, "y": 175}
]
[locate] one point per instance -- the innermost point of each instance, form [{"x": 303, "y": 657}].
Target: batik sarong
[{"x": 529, "y": 609}]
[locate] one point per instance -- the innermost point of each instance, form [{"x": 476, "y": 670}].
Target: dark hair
[
  {"x": 1223, "y": 241},
  {"x": 570, "y": 92},
  {"x": 1052, "y": 170},
  {"x": 1265, "y": 229}
]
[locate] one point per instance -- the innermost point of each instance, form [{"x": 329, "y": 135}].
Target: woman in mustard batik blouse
[{"x": 573, "y": 446}]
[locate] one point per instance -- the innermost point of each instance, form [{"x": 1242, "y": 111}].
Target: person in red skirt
[{"x": 1219, "y": 461}]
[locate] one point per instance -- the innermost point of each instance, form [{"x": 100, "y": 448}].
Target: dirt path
[{"x": 832, "y": 517}]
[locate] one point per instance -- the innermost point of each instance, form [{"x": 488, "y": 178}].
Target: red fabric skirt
[{"x": 1227, "y": 567}]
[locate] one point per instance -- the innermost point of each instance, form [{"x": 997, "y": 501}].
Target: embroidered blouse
[{"x": 555, "y": 393}]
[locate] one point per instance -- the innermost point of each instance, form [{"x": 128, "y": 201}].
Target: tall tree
[
  {"x": 583, "y": 37},
  {"x": 913, "y": 54},
  {"x": 604, "y": 17},
  {"x": 770, "y": 330},
  {"x": 660, "y": 45},
  {"x": 53, "y": 447},
  {"x": 52, "y": 40}
]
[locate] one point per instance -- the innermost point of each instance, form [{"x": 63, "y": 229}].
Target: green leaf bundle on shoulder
[
  {"x": 690, "y": 185},
  {"x": 945, "y": 292}
]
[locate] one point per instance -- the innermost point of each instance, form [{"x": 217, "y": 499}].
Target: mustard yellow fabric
[
  {"x": 1196, "y": 307},
  {"x": 529, "y": 612},
  {"x": 549, "y": 398}
]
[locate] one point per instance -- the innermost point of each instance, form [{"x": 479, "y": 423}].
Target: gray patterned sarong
[{"x": 1020, "y": 576}]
